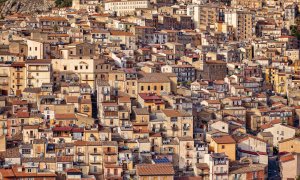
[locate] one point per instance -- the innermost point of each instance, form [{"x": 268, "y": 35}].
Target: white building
[
  {"x": 254, "y": 148},
  {"x": 125, "y": 7},
  {"x": 281, "y": 132}
]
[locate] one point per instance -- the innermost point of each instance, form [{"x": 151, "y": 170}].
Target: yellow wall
[
  {"x": 166, "y": 87},
  {"x": 229, "y": 149},
  {"x": 280, "y": 83},
  {"x": 290, "y": 146}
]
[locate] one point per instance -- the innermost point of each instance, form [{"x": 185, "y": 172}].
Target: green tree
[
  {"x": 294, "y": 31},
  {"x": 63, "y": 3}
]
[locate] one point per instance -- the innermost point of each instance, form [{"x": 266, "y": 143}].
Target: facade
[
  {"x": 138, "y": 89},
  {"x": 125, "y": 7}
]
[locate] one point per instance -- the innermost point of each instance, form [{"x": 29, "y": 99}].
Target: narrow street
[{"x": 274, "y": 170}]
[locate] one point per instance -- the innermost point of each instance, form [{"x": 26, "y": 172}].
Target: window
[
  {"x": 254, "y": 175},
  {"x": 35, "y": 48},
  {"x": 76, "y": 67},
  {"x": 26, "y": 151},
  {"x": 223, "y": 147},
  {"x": 80, "y": 67},
  {"x": 148, "y": 88},
  {"x": 162, "y": 88},
  {"x": 142, "y": 88},
  {"x": 65, "y": 68},
  {"x": 155, "y": 88}
]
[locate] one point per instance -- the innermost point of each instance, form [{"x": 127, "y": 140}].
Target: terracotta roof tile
[
  {"x": 65, "y": 116},
  {"x": 154, "y": 169},
  {"x": 227, "y": 139},
  {"x": 288, "y": 157}
]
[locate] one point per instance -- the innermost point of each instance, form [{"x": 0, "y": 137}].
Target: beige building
[
  {"x": 179, "y": 123},
  {"x": 281, "y": 132},
  {"x": 38, "y": 49},
  {"x": 77, "y": 70},
  {"x": 125, "y": 7},
  {"x": 155, "y": 171},
  {"x": 289, "y": 166},
  {"x": 241, "y": 21},
  {"x": 255, "y": 4},
  {"x": 290, "y": 145},
  {"x": 17, "y": 77},
  {"x": 37, "y": 72}
]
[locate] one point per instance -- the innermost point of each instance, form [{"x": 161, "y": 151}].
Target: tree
[
  {"x": 63, "y": 3},
  {"x": 294, "y": 31}
]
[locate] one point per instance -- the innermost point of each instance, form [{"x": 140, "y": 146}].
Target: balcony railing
[
  {"x": 186, "y": 128},
  {"x": 3, "y": 75},
  {"x": 109, "y": 152},
  {"x": 175, "y": 128},
  {"x": 3, "y": 83},
  {"x": 96, "y": 162},
  {"x": 110, "y": 161}
]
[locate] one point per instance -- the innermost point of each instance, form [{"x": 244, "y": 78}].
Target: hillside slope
[{"x": 25, "y": 6}]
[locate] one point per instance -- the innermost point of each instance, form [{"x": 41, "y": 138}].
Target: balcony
[
  {"x": 95, "y": 162},
  {"x": 30, "y": 77},
  {"x": 110, "y": 161},
  {"x": 110, "y": 152},
  {"x": 175, "y": 128},
  {"x": 32, "y": 136},
  {"x": 188, "y": 167},
  {"x": 69, "y": 153},
  {"x": 19, "y": 83},
  {"x": 3, "y": 75},
  {"x": 95, "y": 153},
  {"x": 80, "y": 161},
  {"x": 221, "y": 173},
  {"x": 86, "y": 109},
  {"x": 186, "y": 128},
  {"x": 80, "y": 154},
  {"x": 220, "y": 162},
  {"x": 110, "y": 114},
  {"x": 97, "y": 172},
  {"x": 38, "y": 69},
  {"x": 3, "y": 83},
  {"x": 15, "y": 125}
]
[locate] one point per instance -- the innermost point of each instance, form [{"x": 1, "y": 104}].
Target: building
[
  {"x": 158, "y": 171},
  {"x": 224, "y": 144},
  {"x": 289, "y": 168},
  {"x": 125, "y": 7}
]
